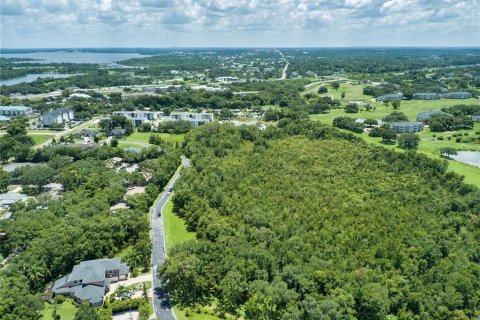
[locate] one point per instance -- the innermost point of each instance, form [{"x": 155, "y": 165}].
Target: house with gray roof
[
  {"x": 90, "y": 280},
  {"x": 9, "y": 198},
  {"x": 427, "y": 115}
]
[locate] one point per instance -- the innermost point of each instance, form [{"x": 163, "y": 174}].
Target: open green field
[
  {"x": 40, "y": 138},
  {"x": 66, "y": 311},
  {"x": 143, "y": 137},
  {"x": 175, "y": 228},
  {"x": 355, "y": 92},
  {"x": 411, "y": 108}
]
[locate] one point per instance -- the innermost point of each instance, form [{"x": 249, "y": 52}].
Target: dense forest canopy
[
  {"x": 48, "y": 235},
  {"x": 304, "y": 222}
]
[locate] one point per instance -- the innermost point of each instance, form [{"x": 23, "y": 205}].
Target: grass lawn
[
  {"x": 175, "y": 233},
  {"x": 180, "y": 314},
  {"x": 144, "y": 136},
  {"x": 352, "y": 92},
  {"x": 66, "y": 311},
  {"x": 40, "y": 138},
  {"x": 411, "y": 108},
  {"x": 37, "y": 137},
  {"x": 175, "y": 228}
]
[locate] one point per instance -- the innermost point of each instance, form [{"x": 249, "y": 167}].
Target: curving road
[
  {"x": 284, "y": 72},
  {"x": 161, "y": 302}
]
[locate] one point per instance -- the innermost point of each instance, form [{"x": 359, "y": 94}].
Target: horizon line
[{"x": 247, "y": 47}]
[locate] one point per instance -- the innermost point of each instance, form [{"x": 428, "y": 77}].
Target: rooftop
[{"x": 15, "y": 108}]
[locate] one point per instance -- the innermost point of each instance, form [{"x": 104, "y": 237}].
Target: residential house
[
  {"x": 8, "y": 198},
  {"x": 90, "y": 280},
  {"x": 407, "y": 126},
  {"x": 89, "y": 133},
  {"x": 117, "y": 133}
]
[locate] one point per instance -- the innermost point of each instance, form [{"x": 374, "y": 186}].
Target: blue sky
[{"x": 238, "y": 23}]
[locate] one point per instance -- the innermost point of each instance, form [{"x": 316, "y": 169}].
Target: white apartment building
[{"x": 139, "y": 117}]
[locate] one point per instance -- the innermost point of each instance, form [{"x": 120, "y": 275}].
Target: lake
[
  {"x": 33, "y": 77},
  {"x": 469, "y": 157},
  {"x": 74, "y": 57}
]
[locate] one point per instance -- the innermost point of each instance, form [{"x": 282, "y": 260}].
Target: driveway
[{"x": 128, "y": 282}]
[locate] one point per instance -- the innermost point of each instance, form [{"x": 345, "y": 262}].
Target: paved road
[
  {"x": 284, "y": 72},
  {"x": 67, "y": 132},
  {"x": 161, "y": 303}
]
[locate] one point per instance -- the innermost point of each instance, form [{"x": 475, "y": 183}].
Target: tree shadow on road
[{"x": 163, "y": 296}]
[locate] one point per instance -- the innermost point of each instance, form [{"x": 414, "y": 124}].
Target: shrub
[
  {"x": 440, "y": 138},
  {"x": 458, "y": 139},
  {"x": 59, "y": 299}
]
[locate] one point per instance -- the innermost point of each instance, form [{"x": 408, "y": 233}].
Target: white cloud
[{"x": 247, "y": 19}]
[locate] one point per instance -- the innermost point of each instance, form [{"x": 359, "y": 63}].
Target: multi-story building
[
  {"x": 171, "y": 88},
  {"x": 390, "y": 97},
  {"x": 139, "y": 117},
  {"x": 427, "y": 115},
  {"x": 195, "y": 118},
  {"x": 126, "y": 96},
  {"x": 15, "y": 110},
  {"x": 62, "y": 115},
  {"x": 228, "y": 79},
  {"x": 457, "y": 95},
  {"x": 407, "y": 126},
  {"x": 426, "y": 96}
]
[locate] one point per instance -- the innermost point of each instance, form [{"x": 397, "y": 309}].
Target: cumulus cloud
[{"x": 252, "y": 17}]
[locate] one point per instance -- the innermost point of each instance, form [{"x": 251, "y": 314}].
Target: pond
[
  {"x": 33, "y": 77},
  {"x": 133, "y": 149},
  {"x": 469, "y": 157}
]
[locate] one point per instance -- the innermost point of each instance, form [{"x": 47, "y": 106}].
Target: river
[
  {"x": 74, "y": 57},
  {"x": 33, "y": 77}
]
